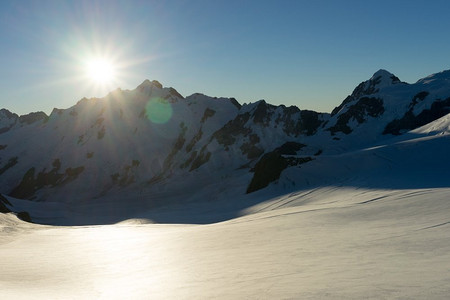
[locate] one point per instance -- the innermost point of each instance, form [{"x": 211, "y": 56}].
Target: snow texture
[{"x": 160, "y": 210}]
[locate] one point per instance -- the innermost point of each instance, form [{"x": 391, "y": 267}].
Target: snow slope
[
  {"x": 364, "y": 218},
  {"x": 84, "y": 159},
  {"x": 335, "y": 243}
]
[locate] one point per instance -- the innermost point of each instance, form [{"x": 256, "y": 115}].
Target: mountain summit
[
  {"x": 151, "y": 144},
  {"x": 384, "y": 78}
]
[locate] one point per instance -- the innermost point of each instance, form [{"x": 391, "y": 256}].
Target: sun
[{"x": 100, "y": 71}]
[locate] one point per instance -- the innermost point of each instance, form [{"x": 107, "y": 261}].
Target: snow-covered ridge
[
  {"x": 9, "y": 120},
  {"x": 300, "y": 204},
  {"x": 152, "y": 143}
]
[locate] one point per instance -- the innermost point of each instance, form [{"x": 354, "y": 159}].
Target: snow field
[{"x": 358, "y": 243}]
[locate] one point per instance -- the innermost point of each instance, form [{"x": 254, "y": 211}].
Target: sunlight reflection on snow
[{"x": 130, "y": 252}]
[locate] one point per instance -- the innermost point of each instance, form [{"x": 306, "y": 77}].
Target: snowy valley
[{"x": 148, "y": 194}]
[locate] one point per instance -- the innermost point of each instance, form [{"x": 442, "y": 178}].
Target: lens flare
[{"x": 158, "y": 110}]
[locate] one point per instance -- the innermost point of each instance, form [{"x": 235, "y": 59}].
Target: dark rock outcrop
[
  {"x": 11, "y": 163},
  {"x": 289, "y": 148},
  {"x": 228, "y": 133},
  {"x": 409, "y": 121},
  {"x": 268, "y": 169},
  {"x": 32, "y": 182},
  {"x": 207, "y": 114},
  {"x": 418, "y": 98},
  {"x": 364, "y": 107},
  {"x": 24, "y": 216},
  {"x": 3, "y": 203},
  {"x": 11, "y": 120},
  {"x": 32, "y": 117}
]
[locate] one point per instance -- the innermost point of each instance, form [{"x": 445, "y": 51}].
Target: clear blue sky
[{"x": 305, "y": 53}]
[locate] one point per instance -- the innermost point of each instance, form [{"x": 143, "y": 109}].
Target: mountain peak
[
  {"x": 4, "y": 113},
  {"x": 160, "y": 138},
  {"x": 149, "y": 84},
  {"x": 382, "y": 73},
  {"x": 383, "y": 77},
  {"x": 379, "y": 80}
]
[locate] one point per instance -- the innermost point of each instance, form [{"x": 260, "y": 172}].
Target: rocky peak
[
  {"x": 384, "y": 78},
  {"x": 263, "y": 112},
  {"x": 6, "y": 114},
  {"x": 147, "y": 85},
  {"x": 32, "y": 117},
  {"x": 157, "y": 84},
  {"x": 380, "y": 79},
  {"x": 235, "y": 103},
  {"x": 155, "y": 88},
  {"x": 7, "y": 120}
]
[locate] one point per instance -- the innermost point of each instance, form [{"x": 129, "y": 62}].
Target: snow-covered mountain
[
  {"x": 148, "y": 146},
  {"x": 352, "y": 204}
]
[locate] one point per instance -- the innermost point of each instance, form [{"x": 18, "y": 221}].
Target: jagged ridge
[{"x": 111, "y": 145}]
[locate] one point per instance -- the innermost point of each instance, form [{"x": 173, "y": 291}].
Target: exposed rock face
[
  {"x": 24, "y": 216},
  {"x": 309, "y": 122},
  {"x": 6, "y": 114},
  {"x": 11, "y": 163},
  {"x": 3, "y": 203},
  {"x": 289, "y": 148},
  {"x": 9, "y": 120},
  {"x": 268, "y": 169},
  {"x": 363, "y": 108},
  {"x": 380, "y": 79},
  {"x": 392, "y": 105},
  {"x": 31, "y": 183},
  {"x": 228, "y": 133},
  {"x": 263, "y": 113},
  {"x": 157, "y": 84},
  {"x": 411, "y": 121},
  {"x": 418, "y": 98},
  {"x": 32, "y": 117},
  {"x": 207, "y": 114},
  {"x": 120, "y": 143}
]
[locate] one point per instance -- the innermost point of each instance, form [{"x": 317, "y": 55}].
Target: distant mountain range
[{"x": 153, "y": 145}]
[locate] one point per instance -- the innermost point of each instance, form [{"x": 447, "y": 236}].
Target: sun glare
[{"x": 100, "y": 71}]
